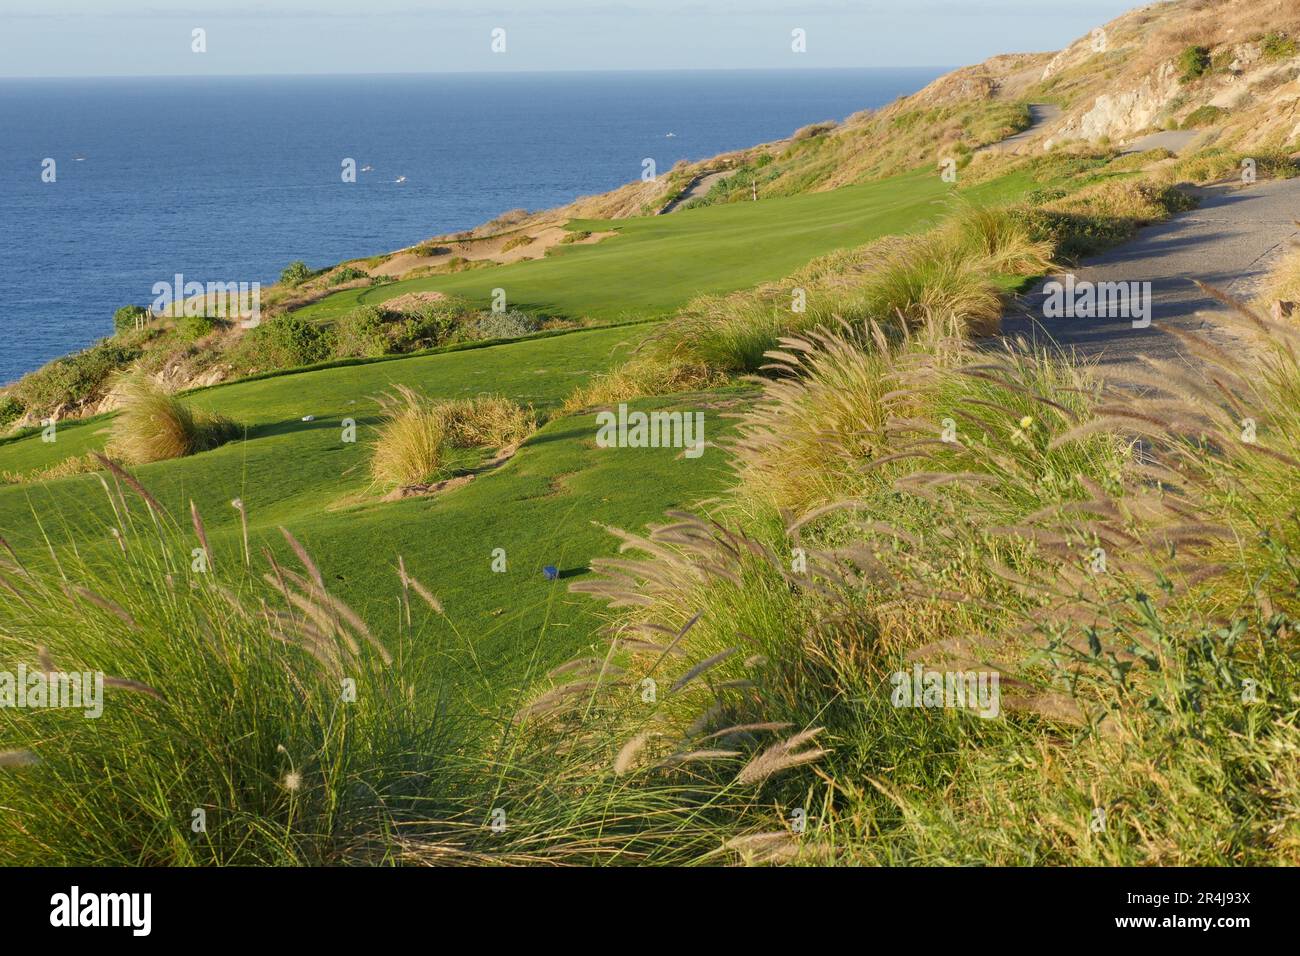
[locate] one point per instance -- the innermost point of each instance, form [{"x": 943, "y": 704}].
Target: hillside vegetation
[{"x": 379, "y": 592}]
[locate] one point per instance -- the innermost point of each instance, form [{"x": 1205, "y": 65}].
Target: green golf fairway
[{"x": 656, "y": 264}]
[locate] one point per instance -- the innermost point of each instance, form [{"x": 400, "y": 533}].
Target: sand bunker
[{"x": 501, "y": 249}]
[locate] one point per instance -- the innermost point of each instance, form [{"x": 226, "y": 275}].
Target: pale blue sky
[{"x": 147, "y": 37}]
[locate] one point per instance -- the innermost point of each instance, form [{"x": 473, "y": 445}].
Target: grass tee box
[{"x": 539, "y": 507}]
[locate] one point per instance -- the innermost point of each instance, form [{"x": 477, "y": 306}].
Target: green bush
[
  {"x": 360, "y": 334},
  {"x": 10, "y": 410},
  {"x": 286, "y": 342},
  {"x": 1278, "y": 46},
  {"x": 195, "y": 326},
  {"x": 129, "y": 318},
  {"x": 296, "y": 273},
  {"x": 347, "y": 274},
  {"x": 425, "y": 329},
  {"x": 76, "y": 379},
  {"x": 1193, "y": 63},
  {"x": 1203, "y": 116}
]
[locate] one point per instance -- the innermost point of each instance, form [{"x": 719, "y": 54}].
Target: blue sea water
[{"x": 230, "y": 179}]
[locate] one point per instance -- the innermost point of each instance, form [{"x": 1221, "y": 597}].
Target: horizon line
[{"x": 517, "y": 72}]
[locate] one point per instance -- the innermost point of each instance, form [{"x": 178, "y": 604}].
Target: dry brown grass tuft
[
  {"x": 1282, "y": 284},
  {"x": 822, "y": 417},
  {"x": 408, "y": 449},
  {"x": 998, "y": 242},
  {"x": 154, "y": 426},
  {"x": 490, "y": 421},
  {"x": 415, "y": 433},
  {"x": 640, "y": 377},
  {"x": 923, "y": 282},
  {"x": 68, "y": 467},
  {"x": 1134, "y": 201}
]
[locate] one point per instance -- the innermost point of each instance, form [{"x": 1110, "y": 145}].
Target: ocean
[{"x": 230, "y": 179}]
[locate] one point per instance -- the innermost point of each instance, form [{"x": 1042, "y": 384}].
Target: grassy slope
[
  {"x": 539, "y": 372},
  {"x": 658, "y": 263},
  {"x": 541, "y": 506}
]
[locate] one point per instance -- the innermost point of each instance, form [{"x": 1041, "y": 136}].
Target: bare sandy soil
[{"x": 540, "y": 237}]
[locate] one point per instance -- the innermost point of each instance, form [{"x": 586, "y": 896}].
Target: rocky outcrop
[{"x": 1125, "y": 113}]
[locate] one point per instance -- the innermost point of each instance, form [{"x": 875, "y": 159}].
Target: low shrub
[
  {"x": 427, "y": 328},
  {"x": 296, "y": 273},
  {"x": 130, "y": 318},
  {"x": 1278, "y": 46},
  {"x": 1223, "y": 59},
  {"x": 192, "y": 327},
  {"x": 286, "y": 341},
  {"x": 10, "y": 410},
  {"x": 347, "y": 274},
  {"x": 511, "y": 324},
  {"x": 80, "y": 379},
  {"x": 1193, "y": 63},
  {"x": 361, "y": 333},
  {"x": 1204, "y": 116}
]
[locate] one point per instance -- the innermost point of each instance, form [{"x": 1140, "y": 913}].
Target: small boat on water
[
  {"x": 400, "y": 179},
  {"x": 367, "y": 169}
]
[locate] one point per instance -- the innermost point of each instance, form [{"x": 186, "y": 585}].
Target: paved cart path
[{"x": 1230, "y": 241}]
